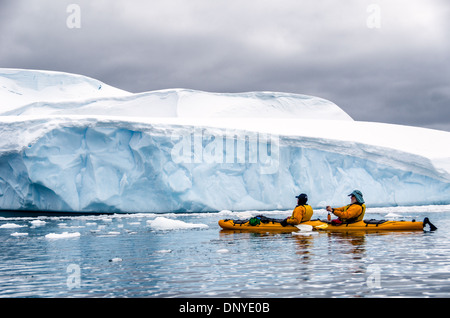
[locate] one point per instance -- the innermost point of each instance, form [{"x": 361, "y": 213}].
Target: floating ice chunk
[
  {"x": 162, "y": 223},
  {"x": 62, "y": 235},
  {"x": 225, "y": 212},
  {"x": 36, "y": 223},
  {"x": 134, "y": 223},
  {"x": 65, "y": 226},
  {"x": 223, "y": 251},
  {"x": 19, "y": 234},
  {"x": 115, "y": 259},
  {"x": 164, "y": 251},
  {"x": 10, "y": 226},
  {"x": 392, "y": 215},
  {"x": 113, "y": 233}
]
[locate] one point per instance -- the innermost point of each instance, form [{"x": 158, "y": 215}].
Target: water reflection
[
  {"x": 348, "y": 242},
  {"x": 210, "y": 262}
]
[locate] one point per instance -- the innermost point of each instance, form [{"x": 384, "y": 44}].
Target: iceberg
[{"x": 74, "y": 144}]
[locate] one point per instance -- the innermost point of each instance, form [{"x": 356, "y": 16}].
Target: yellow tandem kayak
[{"x": 273, "y": 225}]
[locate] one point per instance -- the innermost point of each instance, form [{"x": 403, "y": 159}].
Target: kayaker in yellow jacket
[
  {"x": 350, "y": 213},
  {"x": 302, "y": 212}
]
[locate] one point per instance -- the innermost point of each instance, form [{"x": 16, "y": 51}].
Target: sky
[{"x": 379, "y": 60}]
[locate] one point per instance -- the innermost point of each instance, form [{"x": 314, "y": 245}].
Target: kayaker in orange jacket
[
  {"x": 350, "y": 213},
  {"x": 302, "y": 212}
]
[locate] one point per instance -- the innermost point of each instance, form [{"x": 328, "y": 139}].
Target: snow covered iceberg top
[
  {"x": 44, "y": 93},
  {"x": 19, "y": 87}
]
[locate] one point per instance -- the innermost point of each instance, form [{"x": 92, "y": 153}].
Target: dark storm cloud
[{"x": 398, "y": 73}]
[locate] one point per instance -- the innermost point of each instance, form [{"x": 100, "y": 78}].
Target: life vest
[
  {"x": 356, "y": 218},
  {"x": 308, "y": 214}
]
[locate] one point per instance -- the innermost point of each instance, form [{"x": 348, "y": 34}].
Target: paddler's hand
[
  {"x": 329, "y": 209},
  {"x": 284, "y": 222}
]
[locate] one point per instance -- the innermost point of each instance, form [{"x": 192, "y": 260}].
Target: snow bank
[{"x": 188, "y": 151}]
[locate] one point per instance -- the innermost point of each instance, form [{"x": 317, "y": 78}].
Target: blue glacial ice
[{"x": 181, "y": 150}]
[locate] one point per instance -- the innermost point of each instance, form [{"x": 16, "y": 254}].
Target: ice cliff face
[{"x": 183, "y": 150}]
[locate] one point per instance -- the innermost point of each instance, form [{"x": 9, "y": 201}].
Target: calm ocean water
[{"x": 150, "y": 255}]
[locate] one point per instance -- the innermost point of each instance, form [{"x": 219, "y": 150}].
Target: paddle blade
[
  {"x": 321, "y": 227},
  {"x": 304, "y": 227}
]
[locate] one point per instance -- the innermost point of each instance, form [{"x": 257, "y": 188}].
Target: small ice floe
[
  {"x": 10, "y": 226},
  {"x": 113, "y": 233},
  {"x": 392, "y": 215},
  {"x": 63, "y": 235},
  {"x": 164, "y": 251},
  {"x": 17, "y": 234},
  {"x": 65, "y": 226},
  {"x": 225, "y": 212},
  {"x": 223, "y": 251},
  {"x": 115, "y": 259},
  {"x": 37, "y": 223},
  {"x": 162, "y": 223},
  {"x": 134, "y": 223}
]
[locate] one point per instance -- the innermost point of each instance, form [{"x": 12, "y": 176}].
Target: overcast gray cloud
[{"x": 397, "y": 73}]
